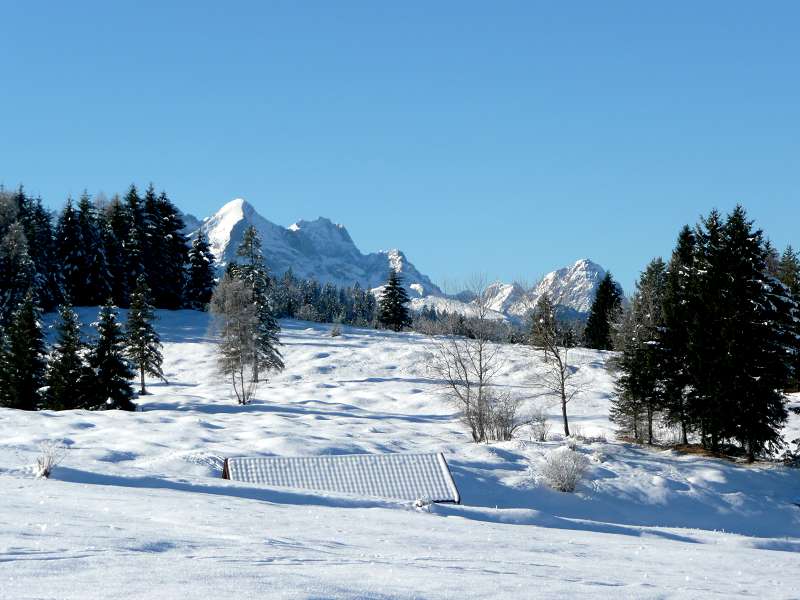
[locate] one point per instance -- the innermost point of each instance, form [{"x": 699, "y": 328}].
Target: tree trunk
[
  {"x": 141, "y": 376},
  {"x": 564, "y": 414}
]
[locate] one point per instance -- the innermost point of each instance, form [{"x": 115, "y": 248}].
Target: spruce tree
[
  {"x": 640, "y": 385},
  {"x": 143, "y": 344},
  {"x": 135, "y": 238},
  {"x": 680, "y": 322},
  {"x": 604, "y": 311},
  {"x": 17, "y": 271},
  {"x": 253, "y": 271},
  {"x": 40, "y": 237},
  {"x": 172, "y": 266},
  {"x": 70, "y": 251},
  {"x": 113, "y": 371},
  {"x": 94, "y": 287},
  {"x": 788, "y": 271},
  {"x": 68, "y": 377},
  {"x": 115, "y": 233},
  {"x": 23, "y": 360},
  {"x": 200, "y": 280},
  {"x": 393, "y": 312}
]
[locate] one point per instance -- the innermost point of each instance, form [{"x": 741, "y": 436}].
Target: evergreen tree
[
  {"x": 70, "y": 251},
  {"x": 94, "y": 287},
  {"x": 253, "y": 271},
  {"x": 37, "y": 226},
  {"x": 23, "y": 361},
  {"x": 640, "y": 386},
  {"x": 788, "y": 271},
  {"x": 175, "y": 254},
  {"x": 604, "y": 311},
  {"x": 17, "y": 271},
  {"x": 135, "y": 238},
  {"x": 393, "y": 312},
  {"x": 200, "y": 281},
  {"x": 680, "y": 318},
  {"x": 113, "y": 372},
  {"x": 757, "y": 327},
  {"x": 142, "y": 341},
  {"x": 114, "y": 234},
  {"x": 68, "y": 376}
]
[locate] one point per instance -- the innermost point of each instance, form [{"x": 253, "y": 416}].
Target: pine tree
[
  {"x": 640, "y": 386},
  {"x": 68, "y": 376},
  {"x": 393, "y": 312},
  {"x": 17, "y": 271},
  {"x": 40, "y": 237},
  {"x": 755, "y": 329},
  {"x": 113, "y": 371},
  {"x": 680, "y": 321},
  {"x": 135, "y": 239},
  {"x": 115, "y": 232},
  {"x": 604, "y": 311},
  {"x": 70, "y": 250},
  {"x": 23, "y": 359},
  {"x": 788, "y": 271},
  {"x": 143, "y": 344},
  {"x": 94, "y": 287},
  {"x": 200, "y": 281},
  {"x": 253, "y": 271},
  {"x": 172, "y": 267}
]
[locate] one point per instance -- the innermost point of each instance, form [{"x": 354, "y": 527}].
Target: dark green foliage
[
  {"x": 93, "y": 286},
  {"x": 143, "y": 344},
  {"x": 726, "y": 342},
  {"x": 70, "y": 251},
  {"x": 17, "y": 271},
  {"x": 114, "y": 234},
  {"x": 68, "y": 377},
  {"x": 788, "y": 271},
  {"x": 200, "y": 279},
  {"x": 40, "y": 237},
  {"x": 393, "y": 312},
  {"x": 640, "y": 390},
  {"x": 23, "y": 358},
  {"x": 135, "y": 238},
  {"x": 165, "y": 250},
  {"x": 111, "y": 387},
  {"x": 605, "y": 310}
]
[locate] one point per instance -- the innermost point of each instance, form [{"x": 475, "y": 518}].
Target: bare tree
[
  {"x": 467, "y": 366},
  {"x": 237, "y": 322},
  {"x": 555, "y": 338}
]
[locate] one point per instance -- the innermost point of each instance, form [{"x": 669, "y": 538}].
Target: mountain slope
[{"x": 317, "y": 249}]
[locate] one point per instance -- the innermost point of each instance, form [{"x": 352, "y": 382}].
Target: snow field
[{"x": 137, "y": 508}]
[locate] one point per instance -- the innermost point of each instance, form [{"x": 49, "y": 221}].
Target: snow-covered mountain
[
  {"x": 572, "y": 288},
  {"x": 323, "y": 250},
  {"x": 317, "y": 249}
]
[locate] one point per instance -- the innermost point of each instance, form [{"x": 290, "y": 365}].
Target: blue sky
[{"x": 508, "y": 138}]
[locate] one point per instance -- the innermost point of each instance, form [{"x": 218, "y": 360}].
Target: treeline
[
  {"x": 712, "y": 339},
  {"x": 95, "y": 251},
  {"x": 75, "y": 373}
]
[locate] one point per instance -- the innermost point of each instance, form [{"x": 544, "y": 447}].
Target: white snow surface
[{"x": 137, "y": 508}]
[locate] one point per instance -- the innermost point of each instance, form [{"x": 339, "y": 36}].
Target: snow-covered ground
[{"x": 137, "y": 508}]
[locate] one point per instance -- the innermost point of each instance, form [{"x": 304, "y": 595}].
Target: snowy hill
[
  {"x": 317, "y": 249},
  {"x": 137, "y": 507}
]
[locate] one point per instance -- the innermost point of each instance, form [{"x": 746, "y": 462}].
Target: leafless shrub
[
  {"x": 563, "y": 469},
  {"x": 50, "y": 455},
  {"x": 336, "y": 330},
  {"x": 503, "y": 415},
  {"x": 540, "y": 425}
]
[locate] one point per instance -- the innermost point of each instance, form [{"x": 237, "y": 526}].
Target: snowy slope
[
  {"x": 316, "y": 249},
  {"x": 137, "y": 508}
]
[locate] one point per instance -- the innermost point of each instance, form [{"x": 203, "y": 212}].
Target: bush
[
  {"x": 540, "y": 426},
  {"x": 50, "y": 454},
  {"x": 563, "y": 469},
  {"x": 336, "y": 331}
]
